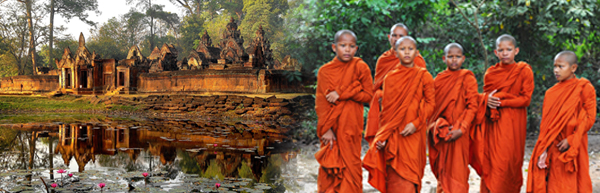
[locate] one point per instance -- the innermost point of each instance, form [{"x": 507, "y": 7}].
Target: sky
[{"x": 108, "y": 9}]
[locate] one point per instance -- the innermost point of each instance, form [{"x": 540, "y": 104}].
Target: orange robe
[
  {"x": 408, "y": 97},
  {"x": 340, "y": 169},
  {"x": 386, "y": 63},
  {"x": 569, "y": 112},
  {"x": 456, "y": 104},
  {"x": 498, "y": 138}
]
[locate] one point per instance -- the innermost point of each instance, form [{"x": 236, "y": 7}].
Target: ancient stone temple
[
  {"x": 164, "y": 59},
  {"x": 225, "y": 66},
  {"x": 85, "y": 72},
  {"x": 129, "y": 69},
  {"x": 260, "y": 53},
  {"x": 232, "y": 51},
  {"x": 204, "y": 55}
]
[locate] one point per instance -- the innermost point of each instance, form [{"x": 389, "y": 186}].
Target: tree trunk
[
  {"x": 50, "y": 44},
  {"x": 31, "y": 34}
]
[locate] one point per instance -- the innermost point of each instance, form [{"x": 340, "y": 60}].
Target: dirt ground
[{"x": 303, "y": 174}]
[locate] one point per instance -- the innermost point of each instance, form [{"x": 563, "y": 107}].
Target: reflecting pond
[{"x": 150, "y": 156}]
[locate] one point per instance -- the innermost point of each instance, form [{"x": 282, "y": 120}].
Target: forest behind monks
[{"x": 542, "y": 29}]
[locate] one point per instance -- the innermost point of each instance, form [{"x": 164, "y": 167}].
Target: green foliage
[
  {"x": 45, "y": 104},
  {"x": 315, "y": 22},
  {"x": 191, "y": 32},
  {"x": 542, "y": 29},
  {"x": 245, "y": 171},
  {"x": 213, "y": 171}
]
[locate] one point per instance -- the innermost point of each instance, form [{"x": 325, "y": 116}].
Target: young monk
[
  {"x": 560, "y": 161},
  {"x": 455, "y": 106},
  {"x": 386, "y": 62},
  {"x": 343, "y": 86},
  {"x": 499, "y": 138},
  {"x": 396, "y": 156}
]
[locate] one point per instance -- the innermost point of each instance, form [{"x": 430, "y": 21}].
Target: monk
[
  {"x": 396, "y": 157},
  {"x": 455, "y": 106},
  {"x": 560, "y": 162},
  {"x": 343, "y": 86},
  {"x": 386, "y": 62},
  {"x": 498, "y": 139}
]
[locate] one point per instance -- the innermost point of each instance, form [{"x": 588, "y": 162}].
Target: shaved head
[
  {"x": 399, "y": 25},
  {"x": 452, "y": 45},
  {"x": 506, "y": 37},
  {"x": 568, "y": 56},
  {"x": 405, "y": 38},
  {"x": 338, "y": 34}
]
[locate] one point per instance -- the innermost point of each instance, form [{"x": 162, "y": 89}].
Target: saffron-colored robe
[
  {"x": 498, "y": 136},
  {"x": 385, "y": 63},
  {"x": 340, "y": 169},
  {"x": 569, "y": 111},
  {"x": 455, "y": 105},
  {"x": 408, "y": 97}
]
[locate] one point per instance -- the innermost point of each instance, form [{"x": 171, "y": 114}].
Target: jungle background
[{"x": 304, "y": 29}]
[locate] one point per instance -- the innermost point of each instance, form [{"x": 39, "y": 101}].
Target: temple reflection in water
[{"x": 225, "y": 147}]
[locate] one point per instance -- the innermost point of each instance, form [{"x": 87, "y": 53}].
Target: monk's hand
[
  {"x": 408, "y": 129},
  {"x": 493, "y": 102},
  {"x": 380, "y": 144},
  {"x": 563, "y": 145},
  {"x": 455, "y": 134},
  {"x": 332, "y": 97},
  {"x": 328, "y": 138},
  {"x": 542, "y": 160}
]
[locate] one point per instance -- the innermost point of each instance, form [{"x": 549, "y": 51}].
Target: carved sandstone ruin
[{"x": 229, "y": 67}]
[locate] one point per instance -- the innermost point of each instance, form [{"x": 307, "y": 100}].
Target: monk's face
[
  {"x": 454, "y": 58},
  {"x": 406, "y": 52},
  {"x": 506, "y": 52},
  {"x": 345, "y": 48},
  {"x": 397, "y": 33},
  {"x": 563, "y": 70}
]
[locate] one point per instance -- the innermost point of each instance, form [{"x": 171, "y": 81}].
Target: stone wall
[
  {"x": 29, "y": 84},
  {"x": 232, "y": 106},
  {"x": 207, "y": 80}
]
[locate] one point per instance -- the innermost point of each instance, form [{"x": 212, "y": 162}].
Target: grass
[
  {"x": 36, "y": 103},
  {"x": 48, "y": 117}
]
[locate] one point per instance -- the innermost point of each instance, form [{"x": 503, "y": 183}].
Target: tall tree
[
  {"x": 13, "y": 34},
  {"x": 70, "y": 9},
  {"x": 193, "y": 7},
  {"x": 155, "y": 12},
  {"x": 32, "y": 52}
]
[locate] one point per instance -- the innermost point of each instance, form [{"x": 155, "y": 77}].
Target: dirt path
[{"x": 303, "y": 175}]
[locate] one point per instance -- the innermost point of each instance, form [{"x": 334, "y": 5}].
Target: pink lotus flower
[
  {"x": 145, "y": 174},
  {"x": 61, "y": 171},
  {"x": 215, "y": 145},
  {"x": 54, "y": 185},
  {"x": 101, "y": 185},
  {"x": 70, "y": 175},
  {"x": 217, "y": 185}
]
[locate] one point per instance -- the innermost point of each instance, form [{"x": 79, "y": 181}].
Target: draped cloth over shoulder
[
  {"x": 498, "y": 136},
  {"x": 569, "y": 112},
  {"x": 385, "y": 63},
  {"x": 340, "y": 169},
  {"x": 456, "y": 104},
  {"x": 408, "y": 97}
]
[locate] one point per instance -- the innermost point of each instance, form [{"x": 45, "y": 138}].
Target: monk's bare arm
[
  {"x": 524, "y": 97},
  {"x": 428, "y": 102},
  {"x": 472, "y": 105},
  {"x": 362, "y": 91}
]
